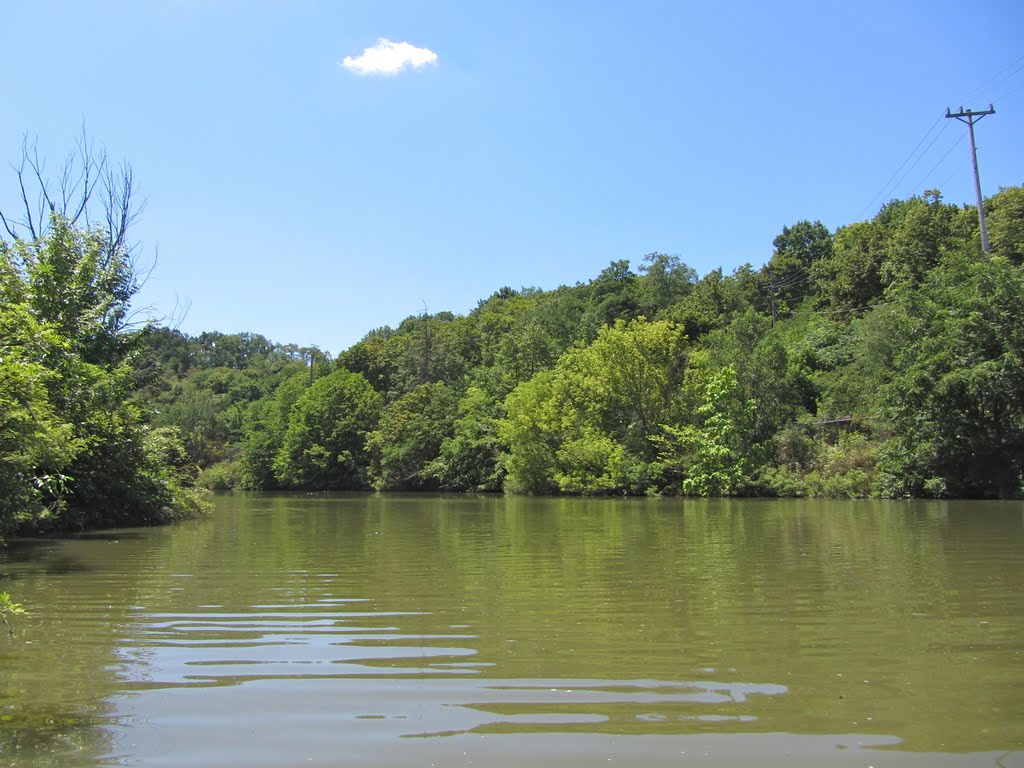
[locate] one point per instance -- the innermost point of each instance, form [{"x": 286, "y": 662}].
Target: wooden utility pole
[
  {"x": 771, "y": 296},
  {"x": 971, "y": 118}
]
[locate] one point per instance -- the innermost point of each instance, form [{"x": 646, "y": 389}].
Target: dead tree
[{"x": 89, "y": 191}]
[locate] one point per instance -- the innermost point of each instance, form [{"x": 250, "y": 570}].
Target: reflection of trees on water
[
  {"x": 52, "y": 736},
  {"x": 882, "y": 610},
  {"x": 73, "y": 654},
  {"x": 56, "y": 672}
]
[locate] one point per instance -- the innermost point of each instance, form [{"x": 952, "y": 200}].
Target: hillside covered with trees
[{"x": 883, "y": 359}]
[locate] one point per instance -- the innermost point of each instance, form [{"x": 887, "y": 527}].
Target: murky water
[{"x": 410, "y": 630}]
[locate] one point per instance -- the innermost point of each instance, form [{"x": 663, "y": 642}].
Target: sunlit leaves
[
  {"x": 324, "y": 446},
  {"x": 583, "y": 427},
  {"x": 707, "y": 454}
]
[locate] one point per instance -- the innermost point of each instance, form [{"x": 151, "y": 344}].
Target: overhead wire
[
  {"x": 903, "y": 170},
  {"x": 1005, "y": 96},
  {"x": 1001, "y": 78},
  {"x": 1002, "y": 75},
  {"x": 840, "y": 311},
  {"x": 797, "y": 279},
  {"x": 896, "y": 173},
  {"x": 922, "y": 155},
  {"x": 954, "y": 145}
]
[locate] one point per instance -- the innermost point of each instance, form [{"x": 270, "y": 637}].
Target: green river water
[{"x": 400, "y": 630}]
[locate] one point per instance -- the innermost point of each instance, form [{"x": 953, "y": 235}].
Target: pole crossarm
[{"x": 970, "y": 114}]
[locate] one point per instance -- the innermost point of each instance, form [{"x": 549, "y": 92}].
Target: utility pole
[{"x": 971, "y": 118}]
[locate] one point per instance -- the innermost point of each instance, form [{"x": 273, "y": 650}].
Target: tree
[
  {"x": 714, "y": 301},
  {"x": 199, "y": 415},
  {"x": 468, "y": 459},
  {"x": 376, "y": 357},
  {"x": 1005, "y": 214},
  {"x": 923, "y": 230},
  {"x": 522, "y": 352},
  {"x": 409, "y": 437},
  {"x": 90, "y": 458},
  {"x": 665, "y": 280},
  {"x": 789, "y": 271},
  {"x": 324, "y": 446},
  {"x": 612, "y": 296},
  {"x": 263, "y": 428},
  {"x": 532, "y": 432},
  {"x": 69, "y": 274},
  {"x": 584, "y": 427},
  {"x": 36, "y": 444},
  {"x": 851, "y": 278},
  {"x": 90, "y": 192},
  {"x": 708, "y": 455},
  {"x": 756, "y": 352},
  {"x": 75, "y": 282},
  {"x": 955, "y": 401}
]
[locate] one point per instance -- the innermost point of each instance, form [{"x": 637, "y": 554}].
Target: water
[{"x": 410, "y": 630}]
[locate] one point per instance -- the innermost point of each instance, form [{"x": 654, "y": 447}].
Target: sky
[{"x": 313, "y": 170}]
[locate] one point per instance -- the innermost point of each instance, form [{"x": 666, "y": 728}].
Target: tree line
[{"x": 882, "y": 359}]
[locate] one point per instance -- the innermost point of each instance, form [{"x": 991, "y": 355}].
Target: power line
[
  {"x": 1002, "y": 98},
  {"x": 799, "y": 277},
  {"x": 889, "y": 183},
  {"x": 921, "y": 156},
  {"x": 841, "y": 311},
  {"x": 1001, "y": 76},
  {"x": 954, "y": 145}
]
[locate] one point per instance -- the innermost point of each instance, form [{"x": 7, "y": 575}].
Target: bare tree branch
[
  {"x": 20, "y": 170},
  {"x": 86, "y": 164},
  {"x": 38, "y": 168},
  {"x": 95, "y": 196},
  {"x": 89, "y": 189},
  {"x": 7, "y": 226}
]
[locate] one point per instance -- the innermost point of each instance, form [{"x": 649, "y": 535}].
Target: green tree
[
  {"x": 324, "y": 446},
  {"x": 522, "y": 352},
  {"x": 715, "y": 300},
  {"x": 851, "y": 278},
  {"x": 469, "y": 458},
  {"x": 1005, "y": 217},
  {"x": 955, "y": 402},
  {"x": 532, "y": 431},
  {"x": 789, "y": 272},
  {"x": 36, "y": 444},
  {"x": 923, "y": 230},
  {"x": 584, "y": 427},
  {"x": 264, "y": 426},
  {"x": 664, "y": 281},
  {"x": 612, "y": 296},
  {"x": 198, "y": 413},
  {"x": 409, "y": 437},
  {"x": 89, "y": 458},
  {"x": 708, "y": 454},
  {"x": 757, "y": 353}
]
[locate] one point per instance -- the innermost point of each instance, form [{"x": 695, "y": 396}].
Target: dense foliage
[
  {"x": 75, "y": 448},
  {"x": 884, "y": 359}
]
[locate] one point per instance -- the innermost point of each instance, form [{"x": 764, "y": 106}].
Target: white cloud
[{"x": 388, "y": 58}]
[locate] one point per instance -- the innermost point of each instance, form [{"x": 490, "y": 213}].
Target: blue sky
[{"x": 292, "y": 196}]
